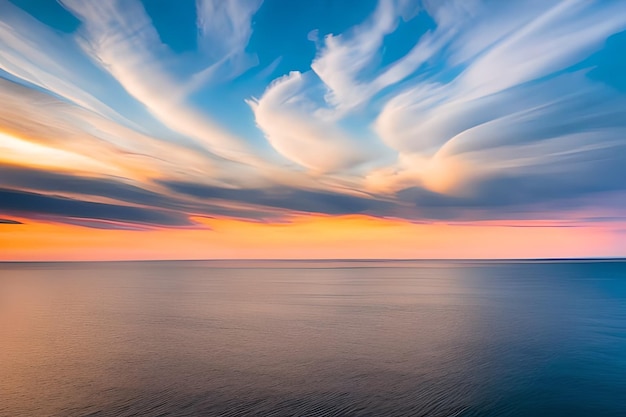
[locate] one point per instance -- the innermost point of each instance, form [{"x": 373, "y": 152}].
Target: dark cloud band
[
  {"x": 286, "y": 198},
  {"x": 26, "y": 203}
]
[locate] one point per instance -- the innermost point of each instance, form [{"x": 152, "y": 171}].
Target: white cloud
[
  {"x": 299, "y": 113},
  {"x": 490, "y": 103},
  {"x": 291, "y": 123},
  {"x": 64, "y": 129},
  {"x": 343, "y": 59},
  {"x": 312, "y": 104},
  {"x": 345, "y": 56},
  {"x": 36, "y": 54},
  {"x": 557, "y": 38},
  {"x": 224, "y": 30},
  {"x": 482, "y": 95},
  {"x": 121, "y": 38}
]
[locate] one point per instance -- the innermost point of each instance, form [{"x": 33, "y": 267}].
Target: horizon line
[{"x": 564, "y": 259}]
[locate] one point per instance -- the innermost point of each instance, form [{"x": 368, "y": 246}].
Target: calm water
[{"x": 313, "y": 338}]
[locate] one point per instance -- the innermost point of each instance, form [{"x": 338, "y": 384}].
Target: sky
[{"x": 163, "y": 129}]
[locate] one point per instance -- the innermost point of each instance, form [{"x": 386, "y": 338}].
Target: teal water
[{"x": 370, "y": 338}]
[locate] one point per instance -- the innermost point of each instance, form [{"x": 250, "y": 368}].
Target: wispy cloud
[
  {"x": 511, "y": 107},
  {"x": 36, "y": 54},
  {"x": 224, "y": 30},
  {"x": 483, "y": 110},
  {"x": 33, "y": 204},
  {"x": 45, "y": 126},
  {"x": 120, "y": 37},
  {"x": 291, "y": 122},
  {"x": 347, "y": 63}
]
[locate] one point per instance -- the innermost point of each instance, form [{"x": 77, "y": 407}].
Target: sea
[{"x": 313, "y": 338}]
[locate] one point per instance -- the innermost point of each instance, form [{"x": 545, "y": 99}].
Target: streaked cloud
[
  {"x": 37, "y": 55},
  {"x": 33, "y": 204},
  {"x": 119, "y": 36},
  {"x": 9, "y": 221},
  {"x": 304, "y": 201},
  {"x": 418, "y": 111},
  {"x": 294, "y": 126}
]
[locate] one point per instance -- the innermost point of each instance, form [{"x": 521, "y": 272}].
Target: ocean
[{"x": 313, "y": 338}]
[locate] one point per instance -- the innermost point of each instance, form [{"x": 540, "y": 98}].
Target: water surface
[{"x": 313, "y": 338}]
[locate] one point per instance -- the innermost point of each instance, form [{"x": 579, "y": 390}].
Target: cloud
[
  {"x": 120, "y": 190},
  {"x": 61, "y": 208},
  {"x": 342, "y": 58},
  {"x": 510, "y": 197},
  {"x": 9, "y": 221},
  {"x": 494, "y": 110},
  {"x": 526, "y": 195},
  {"x": 104, "y": 224},
  {"x": 32, "y": 179},
  {"x": 517, "y": 129},
  {"x": 224, "y": 30},
  {"x": 346, "y": 63},
  {"x": 511, "y": 107},
  {"x": 290, "y": 120},
  {"x": 119, "y": 36},
  {"x": 557, "y": 38},
  {"x": 35, "y": 54},
  {"x": 287, "y": 198},
  {"x": 299, "y": 112},
  {"x": 52, "y": 125}
]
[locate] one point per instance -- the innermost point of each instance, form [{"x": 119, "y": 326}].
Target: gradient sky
[{"x": 312, "y": 129}]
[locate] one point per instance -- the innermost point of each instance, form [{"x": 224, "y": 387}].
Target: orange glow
[
  {"x": 15, "y": 150},
  {"x": 350, "y": 237}
]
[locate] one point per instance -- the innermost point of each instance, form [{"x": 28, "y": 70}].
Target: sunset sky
[{"x": 161, "y": 129}]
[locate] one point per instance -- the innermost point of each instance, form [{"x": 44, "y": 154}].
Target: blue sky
[{"x": 452, "y": 110}]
